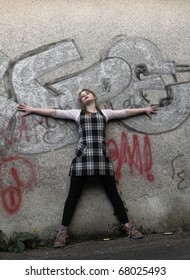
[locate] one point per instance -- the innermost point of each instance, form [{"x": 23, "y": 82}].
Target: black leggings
[{"x": 76, "y": 186}]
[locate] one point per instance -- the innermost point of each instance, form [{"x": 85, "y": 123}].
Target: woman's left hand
[{"x": 151, "y": 109}]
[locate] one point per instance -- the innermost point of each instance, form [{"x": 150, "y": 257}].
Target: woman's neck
[{"x": 91, "y": 108}]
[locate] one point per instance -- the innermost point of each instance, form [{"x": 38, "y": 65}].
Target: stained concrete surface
[
  {"x": 151, "y": 247},
  {"x": 128, "y": 52}
]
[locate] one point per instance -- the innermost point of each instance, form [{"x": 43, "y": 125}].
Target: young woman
[{"x": 91, "y": 158}]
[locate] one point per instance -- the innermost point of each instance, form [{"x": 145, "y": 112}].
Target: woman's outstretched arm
[
  {"x": 124, "y": 113},
  {"x": 32, "y": 110},
  {"x": 146, "y": 110},
  {"x": 71, "y": 114}
]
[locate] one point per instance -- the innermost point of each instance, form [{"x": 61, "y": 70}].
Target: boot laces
[{"x": 61, "y": 232}]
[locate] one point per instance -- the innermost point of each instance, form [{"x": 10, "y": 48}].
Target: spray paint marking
[
  {"x": 17, "y": 174},
  {"x": 135, "y": 157}
]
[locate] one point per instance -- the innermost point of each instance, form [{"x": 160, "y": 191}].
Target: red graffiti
[
  {"x": 134, "y": 157},
  {"x": 27, "y": 130},
  {"x": 23, "y": 131},
  {"x": 17, "y": 174},
  {"x": 5, "y": 133}
]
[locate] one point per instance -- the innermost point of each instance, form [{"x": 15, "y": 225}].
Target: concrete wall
[{"x": 130, "y": 53}]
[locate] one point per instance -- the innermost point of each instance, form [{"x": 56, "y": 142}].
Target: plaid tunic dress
[{"x": 91, "y": 156}]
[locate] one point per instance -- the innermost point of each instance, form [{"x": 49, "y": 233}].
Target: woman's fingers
[
  {"x": 154, "y": 108},
  {"x": 24, "y": 108},
  {"x": 151, "y": 109}
]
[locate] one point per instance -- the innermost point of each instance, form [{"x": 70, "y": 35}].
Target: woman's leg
[
  {"x": 110, "y": 188},
  {"x": 76, "y": 186}
]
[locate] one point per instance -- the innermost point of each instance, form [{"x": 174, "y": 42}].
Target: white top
[{"x": 74, "y": 114}]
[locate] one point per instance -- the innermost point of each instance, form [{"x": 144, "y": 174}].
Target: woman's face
[{"x": 87, "y": 97}]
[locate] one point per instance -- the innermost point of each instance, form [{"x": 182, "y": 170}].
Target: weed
[{"x": 18, "y": 242}]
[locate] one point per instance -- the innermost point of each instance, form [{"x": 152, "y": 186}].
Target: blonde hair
[{"x": 90, "y": 91}]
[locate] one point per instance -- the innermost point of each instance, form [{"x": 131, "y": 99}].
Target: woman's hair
[{"x": 88, "y": 90}]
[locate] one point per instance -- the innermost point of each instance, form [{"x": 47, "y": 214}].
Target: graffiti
[
  {"x": 106, "y": 86},
  {"x": 130, "y": 73},
  {"x": 135, "y": 157},
  {"x": 17, "y": 174},
  {"x": 178, "y": 172},
  {"x": 28, "y": 130},
  {"x": 4, "y": 62},
  {"x": 152, "y": 81}
]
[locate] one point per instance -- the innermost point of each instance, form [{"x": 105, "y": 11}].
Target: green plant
[
  {"x": 18, "y": 242},
  {"x": 3, "y": 241}
]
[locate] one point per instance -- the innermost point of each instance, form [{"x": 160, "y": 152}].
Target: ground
[{"x": 151, "y": 247}]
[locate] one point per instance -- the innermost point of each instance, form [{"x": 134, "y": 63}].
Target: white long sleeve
[
  {"x": 72, "y": 114},
  {"x": 115, "y": 114}
]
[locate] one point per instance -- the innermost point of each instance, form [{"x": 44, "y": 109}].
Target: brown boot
[
  {"x": 62, "y": 237},
  {"x": 132, "y": 231}
]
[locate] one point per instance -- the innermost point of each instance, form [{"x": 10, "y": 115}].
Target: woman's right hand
[{"x": 26, "y": 108}]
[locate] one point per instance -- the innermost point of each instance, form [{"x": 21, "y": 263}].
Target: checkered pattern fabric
[{"x": 91, "y": 157}]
